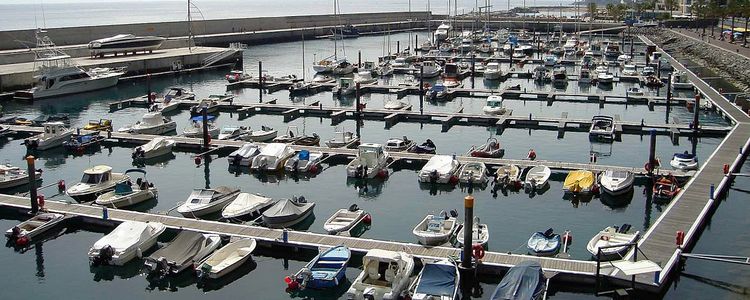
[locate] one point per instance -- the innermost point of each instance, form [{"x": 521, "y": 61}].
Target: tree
[
  {"x": 591, "y": 7},
  {"x": 699, "y": 10},
  {"x": 617, "y": 11},
  {"x": 670, "y": 5}
]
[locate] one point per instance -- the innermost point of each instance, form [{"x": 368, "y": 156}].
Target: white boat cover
[
  {"x": 442, "y": 163},
  {"x": 247, "y": 150},
  {"x": 245, "y": 202},
  {"x": 276, "y": 150},
  {"x": 127, "y": 234},
  {"x": 286, "y": 208},
  {"x": 156, "y": 143}
]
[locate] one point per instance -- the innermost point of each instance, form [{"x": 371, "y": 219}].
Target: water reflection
[
  {"x": 108, "y": 273},
  {"x": 208, "y": 284}
]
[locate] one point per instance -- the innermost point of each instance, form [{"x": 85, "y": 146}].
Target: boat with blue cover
[
  {"x": 437, "y": 280},
  {"x": 326, "y": 270},
  {"x": 523, "y": 281},
  {"x": 544, "y": 243},
  {"x": 84, "y": 142}
]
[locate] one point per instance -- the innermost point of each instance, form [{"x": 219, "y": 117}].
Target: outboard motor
[
  {"x": 104, "y": 257},
  {"x": 434, "y": 176},
  {"x": 236, "y": 160},
  {"x": 353, "y": 207}
]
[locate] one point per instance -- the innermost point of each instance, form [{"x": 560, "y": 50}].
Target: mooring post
[
  {"x": 398, "y": 47},
  {"x": 204, "y": 113},
  {"x": 416, "y": 42},
  {"x": 696, "y": 115},
  {"x": 467, "y": 267},
  {"x": 652, "y": 153},
  {"x": 511, "y": 56},
  {"x": 148, "y": 89},
  {"x": 260, "y": 80},
  {"x": 669, "y": 93},
  {"x": 32, "y": 184},
  {"x": 658, "y": 71},
  {"x": 357, "y": 104},
  {"x": 421, "y": 89},
  {"x": 359, "y": 60}
]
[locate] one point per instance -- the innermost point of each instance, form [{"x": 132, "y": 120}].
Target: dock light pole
[
  {"x": 473, "y": 69},
  {"x": 652, "y": 153},
  {"x": 358, "y": 108},
  {"x": 32, "y": 184},
  {"x": 467, "y": 268},
  {"x": 359, "y": 60},
  {"x": 696, "y": 115},
  {"x": 260, "y": 80},
  {"x": 421, "y": 89},
  {"x": 204, "y": 113}
]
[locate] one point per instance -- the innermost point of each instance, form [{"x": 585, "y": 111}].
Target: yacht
[
  {"x": 151, "y": 123},
  {"x": 96, "y": 181},
  {"x": 441, "y": 33},
  {"x": 55, "y": 133},
  {"x": 124, "y": 43}
]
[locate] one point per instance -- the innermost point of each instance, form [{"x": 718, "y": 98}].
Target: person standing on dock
[{"x": 531, "y": 155}]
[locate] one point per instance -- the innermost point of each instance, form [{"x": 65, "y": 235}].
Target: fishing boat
[
  {"x": 611, "y": 236},
  {"x": 473, "y": 172},
  {"x": 272, "y": 157},
  {"x": 436, "y": 229},
  {"x": 480, "y": 233},
  {"x": 246, "y": 204},
  {"x": 151, "y": 123},
  {"x": 84, "y": 142},
  {"x": 304, "y": 161},
  {"x": 202, "y": 202},
  {"x": 55, "y": 133},
  {"x": 372, "y": 160},
  {"x": 127, "y": 194},
  {"x": 536, "y": 178},
  {"x": 244, "y": 155},
  {"x": 156, "y": 147},
  {"x": 493, "y": 71},
  {"x": 616, "y": 183},
  {"x": 437, "y": 280},
  {"x": 398, "y": 144},
  {"x": 226, "y": 259},
  {"x": 99, "y": 125},
  {"x": 684, "y": 161},
  {"x": 344, "y": 219},
  {"x": 490, "y": 149},
  {"x": 524, "y": 281},
  {"x": 24, "y": 233},
  {"x": 429, "y": 69},
  {"x": 507, "y": 174},
  {"x": 343, "y": 139},
  {"x": 495, "y": 106},
  {"x": 195, "y": 128},
  {"x": 126, "y": 242},
  {"x": 385, "y": 275},
  {"x": 185, "y": 249},
  {"x": 665, "y": 188},
  {"x": 96, "y": 181},
  {"x": 124, "y": 44},
  {"x": 232, "y": 132},
  {"x": 265, "y": 134},
  {"x": 544, "y": 243},
  {"x": 602, "y": 128},
  {"x": 428, "y": 147},
  {"x": 439, "y": 169},
  {"x": 579, "y": 182},
  {"x": 288, "y": 212},
  {"x": 11, "y": 176},
  {"x": 294, "y": 137},
  {"x": 326, "y": 270}
]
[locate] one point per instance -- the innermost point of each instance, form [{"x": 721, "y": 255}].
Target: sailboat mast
[
  {"x": 335, "y": 43},
  {"x": 190, "y": 28},
  {"x": 303, "y": 56}
]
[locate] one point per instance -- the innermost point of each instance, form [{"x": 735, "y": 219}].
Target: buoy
[
  {"x": 680, "y": 238},
  {"x": 478, "y": 251},
  {"x": 197, "y": 160},
  {"x": 726, "y": 169},
  {"x": 61, "y": 186},
  {"x": 22, "y": 241},
  {"x": 314, "y": 168},
  {"x": 40, "y": 200},
  {"x": 383, "y": 173},
  {"x": 367, "y": 219}
]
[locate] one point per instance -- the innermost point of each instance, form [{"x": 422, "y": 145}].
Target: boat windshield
[{"x": 94, "y": 178}]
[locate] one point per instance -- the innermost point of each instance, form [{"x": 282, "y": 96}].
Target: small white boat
[
  {"x": 629, "y": 70},
  {"x": 395, "y": 104},
  {"x": 398, "y": 144},
  {"x": 493, "y": 71},
  {"x": 473, "y": 172},
  {"x": 272, "y": 157},
  {"x": 602, "y": 128},
  {"x": 288, "y": 212},
  {"x": 344, "y": 219},
  {"x": 244, "y": 155},
  {"x": 436, "y": 229},
  {"x": 616, "y": 182},
  {"x": 342, "y": 138},
  {"x": 507, "y": 174},
  {"x": 55, "y": 133},
  {"x": 365, "y": 77},
  {"x": 385, "y": 275},
  {"x": 226, "y": 259},
  {"x": 265, "y": 134},
  {"x": 680, "y": 81},
  {"x": 480, "y": 233},
  {"x": 429, "y": 69},
  {"x": 205, "y": 201},
  {"x": 612, "y": 236},
  {"x": 185, "y": 249},
  {"x": 550, "y": 60},
  {"x": 634, "y": 91},
  {"x": 536, "y": 178},
  {"x": 157, "y": 147},
  {"x": 439, "y": 169},
  {"x": 127, "y": 194},
  {"x": 11, "y": 176},
  {"x": 95, "y": 181},
  {"x": 246, "y": 204},
  {"x": 437, "y": 280},
  {"x": 684, "y": 161},
  {"x": 232, "y": 132},
  {"x": 195, "y": 128},
  {"x": 304, "y": 161},
  {"x": 151, "y": 123},
  {"x": 127, "y": 241},
  {"x": 26, "y": 231},
  {"x": 495, "y": 106},
  {"x": 371, "y": 161},
  {"x": 605, "y": 78}
]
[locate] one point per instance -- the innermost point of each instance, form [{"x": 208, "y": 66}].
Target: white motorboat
[
  {"x": 272, "y": 157},
  {"x": 436, "y": 229},
  {"x": 616, "y": 182},
  {"x": 605, "y": 78},
  {"x": 127, "y": 241},
  {"x": 202, "y": 202},
  {"x": 634, "y": 91},
  {"x": 304, "y": 161},
  {"x": 343, "y": 138},
  {"x": 345, "y": 86},
  {"x": 473, "y": 172},
  {"x": 185, "y": 249},
  {"x": 288, "y": 212},
  {"x": 495, "y": 106},
  {"x": 507, "y": 174},
  {"x": 602, "y": 128},
  {"x": 395, "y": 105},
  {"x": 441, "y": 33},
  {"x": 684, "y": 161},
  {"x": 440, "y": 169},
  {"x": 246, "y": 204},
  {"x": 124, "y": 43},
  {"x": 195, "y": 128},
  {"x": 155, "y": 148},
  {"x": 24, "y": 233},
  {"x": 244, "y": 155},
  {"x": 429, "y": 69},
  {"x": 480, "y": 233},
  {"x": 344, "y": 219},
  {"x": 384, "y": 69},
  {"x": 11, "y": 176},
  {"x": 400, "y": 62},
  {"x": 437, "y": 280},
  {"x": 398, "y": 144},
  {"x": 385, "y": 275},
  {"x": 493, "y": 71},
  {"x": 365, "y": 77},
  {"x": 127, "y": 194},
  {"x": 536, "y": 177},
  {"x": 648, "y": 71},
  {"x": 226, "y": 259},
  {"x": 629, "y": 70},
  {"x": 612, "y": 236},
  {"x": 265, "y": 134},
  {"x": 680, "y": 81},
  {"x": 550, "y": 60},
  {"x": 324, "y": 65},
  {"x": 151, "y": 123},
  {"x": 55, "y": 133},
  {"x": 96, "y": 181},
  {"x": 372, "y": 160},
  {"x": 624, "y": 59},
  {"x": 232, "y": 132}
]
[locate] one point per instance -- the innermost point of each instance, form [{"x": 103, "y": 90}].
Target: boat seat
[
  {"x": 34, "y": 223},
  {"x": 447, "y": 225},
  {"x": 372, "y": 270},
  {"x": 390, "y": 274}
]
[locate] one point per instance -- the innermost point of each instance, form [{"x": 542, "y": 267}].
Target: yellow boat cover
[{"x": 579, "y": 181}]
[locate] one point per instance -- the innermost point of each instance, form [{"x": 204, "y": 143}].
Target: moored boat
[
  {"x": 326, "y": 270},
  {"x": 304, "y": 161},
  {"x": 127, "y": 241},
  {"x": 437, "y": 229},
  {"x": 385, "y": 275},
  {"x": 246, "y": 204},
  {"x": 226, "y": 259},
  {"x": 611, "y": 236},
  {"x": 544, "y": 243},
  {"x": 437, "y": 280},
  {"x": 156, "y": 147},
  {"x": 202, "y": 202},
  {"x": 24, "y": 233},
  {"x": 665, "y": 188},
  {"x": 490, "y": 149},
  {"x": 473, "y": 172},
  {"x": 11, "y": 176},
  {"x": 151, "y": 123},
  {"x": 371, "y": 161},
  {"x": 616, "y": 182},
  {"x": 185, "y": 249},
  {"x": 95, "y": 181},
  {"x": 579, "y": 181},
  {"x": 244, "y": 155},
  {"x": 288, "y": 212},
  {"x": 480, "y": 233},
  {"x": 684, "y": 161},
  {"x": 127, "y": 194},
  {"x": 439, "y": 169},
  {"x": 272, "y": 157},
  {"x": 344, "y": 219},
  {"x": 524, "y": 281},
  {"x": 55, "y": 133}
]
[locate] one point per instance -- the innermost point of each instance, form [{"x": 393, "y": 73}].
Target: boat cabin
[
  {"x": 97, "y": 174},
  {"x": 371, "y": 155},
  {"x": 495, "y": 101},
  {"x": 382, "y": 267},
  {"x": 54, "y": 128}
]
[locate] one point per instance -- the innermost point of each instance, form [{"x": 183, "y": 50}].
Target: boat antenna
[{"x": 44, "y": 19}]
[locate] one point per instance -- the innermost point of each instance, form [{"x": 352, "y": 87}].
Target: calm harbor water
[{"x": 396, "y": 204}]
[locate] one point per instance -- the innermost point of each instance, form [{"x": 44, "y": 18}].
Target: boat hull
[
  {"x": 114, "y": 201},
  {"x": 99, "y": 83}
]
